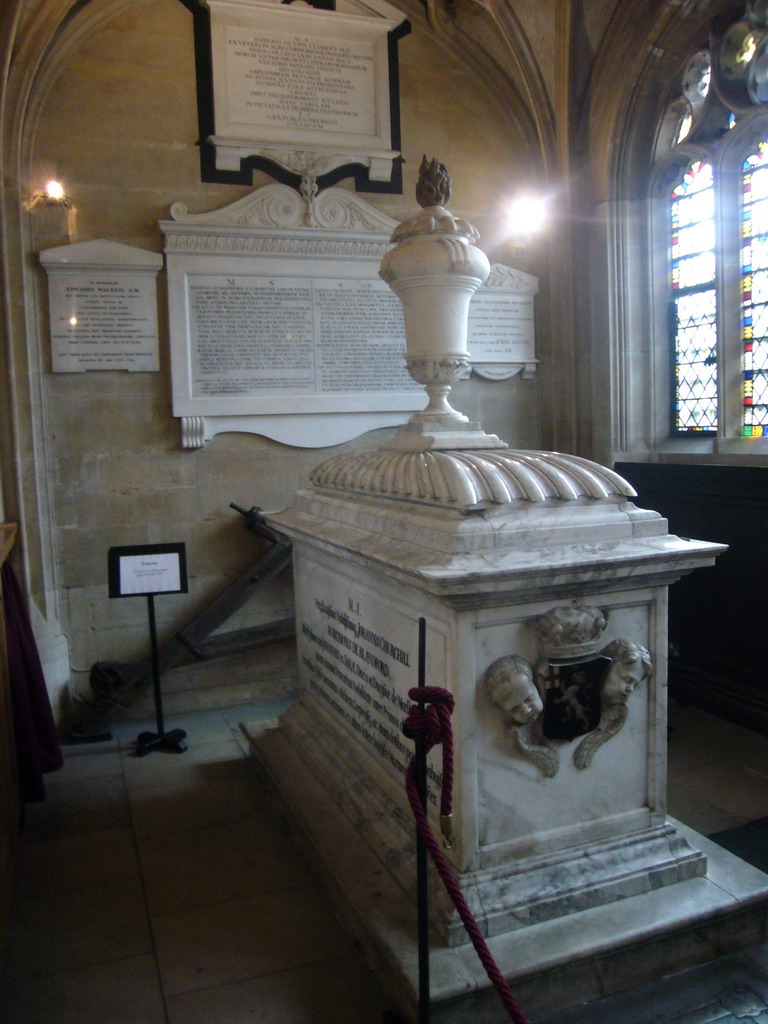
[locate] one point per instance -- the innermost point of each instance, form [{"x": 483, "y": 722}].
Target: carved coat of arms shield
[{"x": 571, "y": 696}]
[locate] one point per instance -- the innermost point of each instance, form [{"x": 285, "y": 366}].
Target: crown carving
[{"x": 570, "y": 631}]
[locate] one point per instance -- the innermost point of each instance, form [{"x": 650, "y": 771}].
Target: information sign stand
[{"x": 146, "y": 570}]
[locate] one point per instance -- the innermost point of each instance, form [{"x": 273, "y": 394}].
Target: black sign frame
[{"x": 117, "y": 554}]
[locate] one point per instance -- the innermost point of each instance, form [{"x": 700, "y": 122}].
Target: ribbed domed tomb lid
[{"x": 471, "y": 479}]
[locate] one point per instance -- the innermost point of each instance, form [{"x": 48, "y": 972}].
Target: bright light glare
[
  {"x": 748, "y": 47},
  {"x": 527, "y": 215},
  {"x": 73, "y": 321},
  {"x": 54, "y": 190}
]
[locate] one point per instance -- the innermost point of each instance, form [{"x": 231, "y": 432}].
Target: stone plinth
[{"x": 540, "y": 565}]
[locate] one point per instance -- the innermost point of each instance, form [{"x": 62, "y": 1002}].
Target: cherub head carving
[
  {"x": 631, "y": 664},
  {"x": 510, "y": 687}
]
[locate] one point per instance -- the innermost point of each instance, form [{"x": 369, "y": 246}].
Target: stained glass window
[
  {"x": 754, "y": 291},
  {"x": 694, "y": 302}
]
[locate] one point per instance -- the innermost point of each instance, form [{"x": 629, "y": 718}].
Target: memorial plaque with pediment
[
  {"x": 280, "y": 324},
  {"x": 307, "y": 91}
]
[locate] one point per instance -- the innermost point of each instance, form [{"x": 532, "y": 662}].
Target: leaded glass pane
[
  {"x": 694, "y": 302},
  {"x": 696, "y": 363},
  {"x": 698, "y": 207},
  {"x": 754, "y": 291},
  {"x": 694, "y": 239},
  {"x": 698, "y": 269}
]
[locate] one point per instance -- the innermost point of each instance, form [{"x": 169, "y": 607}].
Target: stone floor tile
[
  {"x": 78, "y": 765},
  {"x": 78, "y": 928},
  {"x": 734, "y": 785},
  {"x": 81, "y": 805},
  {"x": 335, "y": 992},
  {"x": 45, "y": 866},
  {"x": 225, "y": 862},
  {"x": 196, "y": 802},
  {"x": 697, "y": 812},
  {"x": 165, "y": 767},
  {"x": 241, "y": 935},
  {"x": 228, "y": 942},
  {"x": 124, "y": 991}
]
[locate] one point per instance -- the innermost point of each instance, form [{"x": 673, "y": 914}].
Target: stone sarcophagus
[
  {"x": 547, "y": 621},
  {"x": 544, "y": 591}
]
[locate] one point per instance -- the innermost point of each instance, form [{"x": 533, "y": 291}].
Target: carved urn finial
[
  {"x": 434, "y": 269},
  {"x": 434, "y": 185}
]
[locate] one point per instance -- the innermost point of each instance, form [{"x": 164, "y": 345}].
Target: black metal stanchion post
[
  {"x": 155, "y": 665},
  {"x": 422, "y": 862},
  {"x": 147, "y": 741}
]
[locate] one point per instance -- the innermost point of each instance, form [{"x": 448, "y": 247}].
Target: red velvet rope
[{"x": 434, "y": 722}]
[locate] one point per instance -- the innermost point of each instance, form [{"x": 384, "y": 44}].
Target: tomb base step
[{"x": 554, "y": 964}]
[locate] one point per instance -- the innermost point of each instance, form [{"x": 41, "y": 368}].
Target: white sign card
[
  {"x": 147, "y": 569},
  {"x": 141, "y": 574}
]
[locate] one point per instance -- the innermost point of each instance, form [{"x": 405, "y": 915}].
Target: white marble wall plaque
[
  {"x": 280, "y": 324},
  {"x": 501, "y": 330},
  {"x": 306, "y": 88},
  {"x": 304, "y": 338},
  {"x": 102, "y": 306},
  {"x": 300, "y": 83}
]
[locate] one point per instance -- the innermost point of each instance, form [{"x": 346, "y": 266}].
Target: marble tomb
[{"x": 544, "y": 589}]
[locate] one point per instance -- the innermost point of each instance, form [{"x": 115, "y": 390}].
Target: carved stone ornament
[
  {"x": 278, "y": 206},
  {"x": 510, "y": 687},
  {"x": 469, "y": 479},
  {"x": 558, "y": 703},
  {"x": 570, "y": 631},
  {"x": 192, "y": 431}
]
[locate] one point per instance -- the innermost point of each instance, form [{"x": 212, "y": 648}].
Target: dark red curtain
[{"x": 37, "y": 743}]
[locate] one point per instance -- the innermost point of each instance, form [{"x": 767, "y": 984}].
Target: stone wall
[{"x": 116, "y": 121}]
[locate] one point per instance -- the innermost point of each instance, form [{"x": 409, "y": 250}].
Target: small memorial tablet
[
  {"x": 102, "y": 298},
  {"x": 501, "y": 331}
]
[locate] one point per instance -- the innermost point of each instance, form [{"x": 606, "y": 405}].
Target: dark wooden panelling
[{"x": 717, "y": 616}]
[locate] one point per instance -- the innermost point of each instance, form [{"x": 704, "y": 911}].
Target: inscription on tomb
[{"x": 360, "y": 673}]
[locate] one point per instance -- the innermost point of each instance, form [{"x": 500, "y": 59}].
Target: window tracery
[{"x": 711, "y": 176}]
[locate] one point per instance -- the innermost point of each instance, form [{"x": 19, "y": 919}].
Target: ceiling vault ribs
[{"x": 507, "y": 61}]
